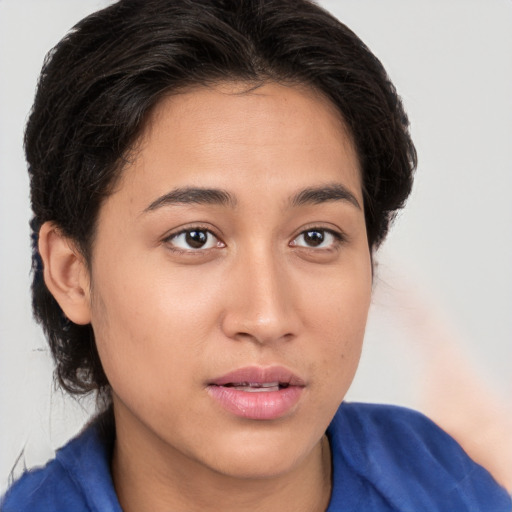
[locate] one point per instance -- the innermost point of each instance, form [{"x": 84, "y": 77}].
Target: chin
[
  {"x": 263, "y": 457},
  {"x": 258, "y": 468}
]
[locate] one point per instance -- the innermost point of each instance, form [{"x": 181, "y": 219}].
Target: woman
[{"x": 210, "y": 180}]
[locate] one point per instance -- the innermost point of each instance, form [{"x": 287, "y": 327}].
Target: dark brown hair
[{"x": 99, "y": 83}]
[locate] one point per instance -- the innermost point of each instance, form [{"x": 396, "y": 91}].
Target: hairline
[{"x": 133, "y": 150}]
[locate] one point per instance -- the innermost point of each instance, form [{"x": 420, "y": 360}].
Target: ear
[{"x": 65, "y": 273}]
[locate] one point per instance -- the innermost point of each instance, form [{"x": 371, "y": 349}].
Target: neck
[{"x": 149, "y": 477}]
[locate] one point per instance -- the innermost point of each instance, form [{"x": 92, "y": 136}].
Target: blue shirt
[{"x": 385, "y": 459}]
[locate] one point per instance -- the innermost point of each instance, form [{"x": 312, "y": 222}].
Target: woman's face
[{"x": 231, "y": 279}]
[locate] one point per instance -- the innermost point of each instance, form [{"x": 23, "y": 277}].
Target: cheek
[
  {"x": 148, "y": 296},
  {"x": 151, "y": 324},
  {"x": 339, "y": 313},
  {"x": 342, "y": 302}
]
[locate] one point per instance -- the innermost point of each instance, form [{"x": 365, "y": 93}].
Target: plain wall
[{"x": 445, "y": 271}]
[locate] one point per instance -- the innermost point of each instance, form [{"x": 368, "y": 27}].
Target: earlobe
[{"x": 65, "y": 273}]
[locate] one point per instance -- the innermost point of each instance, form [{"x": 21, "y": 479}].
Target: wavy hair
[{"x": 99, "y": 83}]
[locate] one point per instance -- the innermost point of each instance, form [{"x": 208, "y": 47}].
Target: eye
[
  {"x": 317, "y": 238},
  {"x": 194, "y": 239}
]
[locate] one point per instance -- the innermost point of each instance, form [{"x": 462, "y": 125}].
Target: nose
[{"x": 262, "y": 302}]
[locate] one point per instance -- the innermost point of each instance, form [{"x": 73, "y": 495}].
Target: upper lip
[{"x": 259, "y": 375}]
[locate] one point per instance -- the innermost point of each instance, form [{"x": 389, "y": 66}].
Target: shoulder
[
  {"x": 410, "y": 462},
  {"x": 45, "y": 489},
  {"x": 77, "y": 480}
]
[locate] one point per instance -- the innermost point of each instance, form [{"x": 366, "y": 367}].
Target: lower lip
[{"x": 266, "y": 405}]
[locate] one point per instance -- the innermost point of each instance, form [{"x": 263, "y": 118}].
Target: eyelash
[
  {"x": 338, "y": 239},
  {"x": 198, "y": 229}
]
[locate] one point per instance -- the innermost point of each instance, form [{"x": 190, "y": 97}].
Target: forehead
[
  {"x": 233, "y": 102},
  {"x": 236, "y": 134}
]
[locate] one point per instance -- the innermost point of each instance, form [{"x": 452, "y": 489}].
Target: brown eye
[
  {"x": 194, "y": 239},
  {"x": 317, "y": 239},
  {"x": 313, "y": 238}
]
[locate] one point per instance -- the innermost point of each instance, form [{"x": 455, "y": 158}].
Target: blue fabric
[
  {"x": 385, "y": 459},
  {"x": 390, "y": 459}
]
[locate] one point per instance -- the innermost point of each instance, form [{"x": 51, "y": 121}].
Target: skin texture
[{"x": 169, "y": 318}]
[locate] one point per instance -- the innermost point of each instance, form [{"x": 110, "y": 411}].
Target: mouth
[
  {"x": 257, "y": 393},
  {"x": 257, "y": 387},
  {"x": 257, "y": 377}
]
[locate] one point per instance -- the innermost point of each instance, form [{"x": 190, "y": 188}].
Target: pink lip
[{"x": 265, "y": 405}]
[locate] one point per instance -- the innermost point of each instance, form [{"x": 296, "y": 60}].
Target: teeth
[
  {"x": 256, "y": 387},
  {"x": 256, "y": 390},
  {"x": 264, "y": 385}
]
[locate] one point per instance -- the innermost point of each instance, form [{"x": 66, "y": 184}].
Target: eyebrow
[
  {"x": 323, "y": 194},
  {"x": 199, "y": 195},
  {"x": 193, "y": 195}
]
